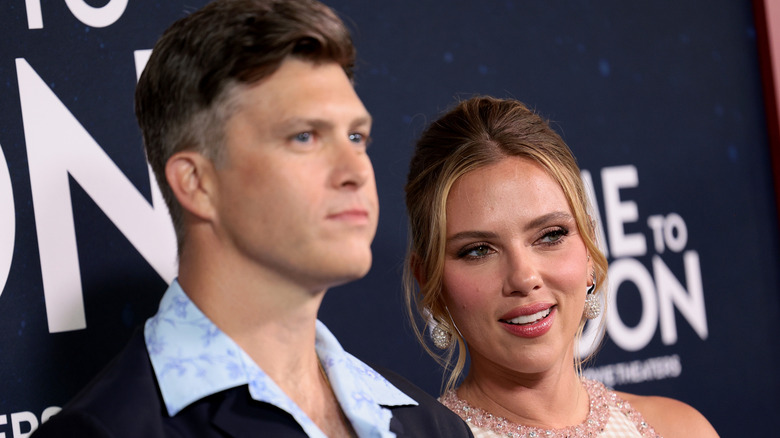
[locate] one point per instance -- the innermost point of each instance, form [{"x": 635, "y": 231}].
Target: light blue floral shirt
[{"x": 193, "y": 359}]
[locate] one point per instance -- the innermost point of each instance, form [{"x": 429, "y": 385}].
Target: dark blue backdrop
[{"x": 660, "y": 101}]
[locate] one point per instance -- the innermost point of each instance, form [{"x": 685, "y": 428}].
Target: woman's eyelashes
[
  {"x": 550, "y": 236},
  {"x": 553, "y": 235},
  {"x": 475, "y": 251}
]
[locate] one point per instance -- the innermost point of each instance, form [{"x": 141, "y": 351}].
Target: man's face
[{"x": 296, "y": 193}]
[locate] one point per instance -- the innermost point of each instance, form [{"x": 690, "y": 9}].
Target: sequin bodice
[{"x": 609, "y": 417}]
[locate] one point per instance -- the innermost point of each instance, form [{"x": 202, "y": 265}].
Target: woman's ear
[
  {"x": 591, "y": 271},
  {"x": 415, "y": 264},
  {"x": 191, "y": 177}
]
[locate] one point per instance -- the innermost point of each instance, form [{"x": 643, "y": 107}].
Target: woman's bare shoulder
[{"x": 669, "y": 417}]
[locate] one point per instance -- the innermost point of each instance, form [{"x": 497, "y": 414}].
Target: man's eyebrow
[
  {"x": 297, "y": 122},
  {"x": 362, "y": 121},
  {"x": 303, "y": 122}
]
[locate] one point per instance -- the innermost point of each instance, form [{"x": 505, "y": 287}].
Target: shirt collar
[
  {"x": 193, "y": 359},
  {"x": 343, "y": 369}
]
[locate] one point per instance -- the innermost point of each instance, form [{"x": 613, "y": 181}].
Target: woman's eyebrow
[
  {"x": 471, "y": 235},
  {"x": 556, "y": 216}
]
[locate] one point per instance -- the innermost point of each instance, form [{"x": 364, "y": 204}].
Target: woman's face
[{"x": 516, "y": 269}]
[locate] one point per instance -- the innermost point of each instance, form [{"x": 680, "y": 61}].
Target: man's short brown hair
[{"x": 182, "y": 100}]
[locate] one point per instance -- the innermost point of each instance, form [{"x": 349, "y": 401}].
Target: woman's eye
[
  {"x": 554, "y": 236},
  {"x": 475, "y": 252}
]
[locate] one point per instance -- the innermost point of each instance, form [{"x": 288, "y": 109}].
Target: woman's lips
[
  {"x": 527, "y": 319},
  {"x": 530, "y": 325}
]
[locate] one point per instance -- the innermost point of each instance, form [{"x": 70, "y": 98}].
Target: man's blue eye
[
  {"x": 355, "y": 137},
  {"x": 303, "y": 137}
]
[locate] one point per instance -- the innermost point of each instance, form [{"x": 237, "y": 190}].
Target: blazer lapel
[{"x": 240, "y": 416}]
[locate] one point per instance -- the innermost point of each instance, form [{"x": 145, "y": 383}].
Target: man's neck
[{"x": 271, "y": 319}]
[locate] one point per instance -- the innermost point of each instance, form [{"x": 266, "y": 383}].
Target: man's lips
[{"x": 351, "y": 215}]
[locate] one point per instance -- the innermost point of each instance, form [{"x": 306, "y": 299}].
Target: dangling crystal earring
[
  {"x": 441, "y": 337},
  {"x": 592, "y": 303}
]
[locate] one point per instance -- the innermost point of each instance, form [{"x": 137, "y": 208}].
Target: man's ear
[{"x": 191, "y": 177}]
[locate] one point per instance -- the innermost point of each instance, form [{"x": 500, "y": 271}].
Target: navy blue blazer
[{"x": 125, "y": 401}]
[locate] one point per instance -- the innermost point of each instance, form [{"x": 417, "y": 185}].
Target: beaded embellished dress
[{"x": 610, "y": 417}]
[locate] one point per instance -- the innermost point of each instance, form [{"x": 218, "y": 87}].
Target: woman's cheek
[{"x": 464, "y": 291}]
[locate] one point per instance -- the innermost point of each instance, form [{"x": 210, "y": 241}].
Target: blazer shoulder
[
  {"x": 429, "y": 418},
  {"x": 121, "y": 399}
]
